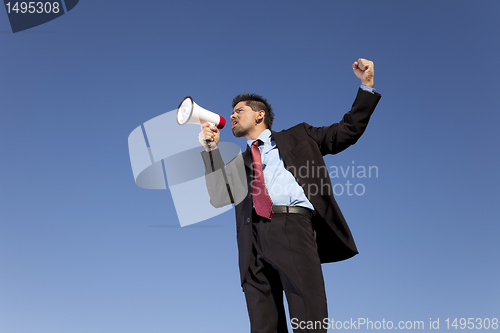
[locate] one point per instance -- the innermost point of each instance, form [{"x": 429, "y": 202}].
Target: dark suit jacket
[{"x": 302, "y": 148}]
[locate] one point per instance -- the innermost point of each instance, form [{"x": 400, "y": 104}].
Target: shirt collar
[{"x": 265, "y": 137}]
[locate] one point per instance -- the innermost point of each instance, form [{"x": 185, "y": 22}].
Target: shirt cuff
[{"x": 369, "y": 89}]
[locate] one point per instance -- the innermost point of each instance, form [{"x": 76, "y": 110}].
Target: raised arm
[{"x": 338, "y": 136}]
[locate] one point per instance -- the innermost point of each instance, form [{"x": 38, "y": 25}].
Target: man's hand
[
  {"x": 209, "y": 133},
  {"x": 364, "y": 70}
]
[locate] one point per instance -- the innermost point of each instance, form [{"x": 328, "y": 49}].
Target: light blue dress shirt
[
  {"x": 280, "y": 182},
  {"x": 369, "y": 89}
]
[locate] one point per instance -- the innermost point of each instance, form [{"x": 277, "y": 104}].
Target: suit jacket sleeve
[
  {"x": 216, "y": 179},
  {"x": 226, "y": 184},
  {"x": 337, "y": 137}
]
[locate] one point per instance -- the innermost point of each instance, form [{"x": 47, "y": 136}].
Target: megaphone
[{"x": 190, "y": 112}]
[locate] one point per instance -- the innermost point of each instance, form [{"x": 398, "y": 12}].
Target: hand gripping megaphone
[{"x": 190, "y": 112}]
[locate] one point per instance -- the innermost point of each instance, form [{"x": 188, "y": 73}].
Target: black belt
[{"x": 292, "y": 210}]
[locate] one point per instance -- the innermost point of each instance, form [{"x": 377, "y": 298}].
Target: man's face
[{"x": 243, "y": 119}]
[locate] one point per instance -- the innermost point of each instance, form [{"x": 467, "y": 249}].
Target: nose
[{"x": 232, "y": 116}]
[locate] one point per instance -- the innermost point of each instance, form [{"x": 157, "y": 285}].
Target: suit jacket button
[{"x": 248, "y": 220}]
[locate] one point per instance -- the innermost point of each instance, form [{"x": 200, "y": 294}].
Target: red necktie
[{"x": 261, "y": 199}]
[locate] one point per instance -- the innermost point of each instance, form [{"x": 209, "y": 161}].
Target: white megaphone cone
[{"x": 190, "y": 112}]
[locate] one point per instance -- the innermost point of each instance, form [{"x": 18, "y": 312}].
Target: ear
[{"x": 260, "y": 116}]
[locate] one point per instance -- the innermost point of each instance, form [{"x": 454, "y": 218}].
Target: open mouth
[{"x": 234, "y": 122}]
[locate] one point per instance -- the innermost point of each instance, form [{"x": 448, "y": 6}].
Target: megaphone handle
[{"x": 208, "y": 142}]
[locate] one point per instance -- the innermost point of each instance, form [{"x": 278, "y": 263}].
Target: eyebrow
[{"x": 238, "y": 109}]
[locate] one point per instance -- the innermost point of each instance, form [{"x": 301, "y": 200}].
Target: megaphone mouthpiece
[{"x": 222, "y": 122}]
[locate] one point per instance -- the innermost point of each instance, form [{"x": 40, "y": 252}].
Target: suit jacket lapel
[
  {"x": 281, "y": 139},
  {"x": 247, "y": 157}
]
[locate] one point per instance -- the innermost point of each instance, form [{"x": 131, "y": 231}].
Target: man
[{"x": 289, "y": 223}]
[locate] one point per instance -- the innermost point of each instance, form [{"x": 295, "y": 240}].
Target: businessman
[{"x": 289, "y": 222}]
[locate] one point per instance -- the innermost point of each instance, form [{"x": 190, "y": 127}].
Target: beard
[{"x": 237, "y": 132}]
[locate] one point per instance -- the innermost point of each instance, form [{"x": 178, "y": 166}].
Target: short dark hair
[{"x": 257, "y": 103}]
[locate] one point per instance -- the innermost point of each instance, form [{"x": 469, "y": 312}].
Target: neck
[{"x": 254, "y": 134}]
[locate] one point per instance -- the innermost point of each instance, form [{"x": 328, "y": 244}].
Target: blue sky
[{"x": 84, "y": 249}]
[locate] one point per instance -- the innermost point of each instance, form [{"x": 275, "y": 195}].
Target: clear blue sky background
[{"x": 83, "y": 249}]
